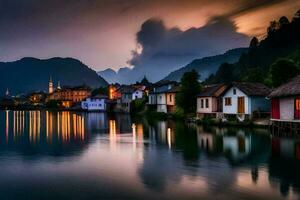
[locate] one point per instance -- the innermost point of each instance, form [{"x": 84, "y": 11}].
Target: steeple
[
  {"x": 58, "y": 85},
  {"x": 50, "y": 89},
  {"x": 7, "y": 92}
]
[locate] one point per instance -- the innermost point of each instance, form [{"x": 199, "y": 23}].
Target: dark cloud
[
  {"x": 101, "y": 32},
  {"x": 164, "y": 50}
]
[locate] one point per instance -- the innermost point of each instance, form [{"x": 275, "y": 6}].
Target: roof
[
  {"x": 166, "y": 89},
  {"x": 213, "y": 90},
  {"x": 174, "y": 89},
  {"x": 126, "y": 89},
  {"x": 99, "y": 96},
  {"x": 290, "y": 88},
  {"x": 164, "y": 82},
  {"x": 251, "y": 89}
]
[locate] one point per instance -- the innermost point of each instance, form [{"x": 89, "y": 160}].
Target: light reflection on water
[{"x": 69, "y": 155}]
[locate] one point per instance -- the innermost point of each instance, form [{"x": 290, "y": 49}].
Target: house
[
  {"x": 246, "y": 99},
  {"x": 286, "y": 101},
  {"x": 163, "y": 96},
  {"x": 209, "y": 101},
  {"x": 171, "y": 98},
  {"x": 70, "y": 95},
  {"x": 37, "y": 98},
  {"x": 96, "y": 103},
  {"x": 128, "y": 94}
]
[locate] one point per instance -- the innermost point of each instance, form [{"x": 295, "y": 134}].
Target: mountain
[
  {"x": 31, "y": 74},
  {"x": 208, "y": 65},
  {"x": 109, "y": 75},
  {"x": 120, "y": 76},
  {"x": 281, "y": 40}
]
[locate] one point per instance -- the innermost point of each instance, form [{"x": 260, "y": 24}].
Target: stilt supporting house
[{"x": 286, "y": 108}]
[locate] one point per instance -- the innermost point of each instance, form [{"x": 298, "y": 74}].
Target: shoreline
[{"x": 156, "y": 116}]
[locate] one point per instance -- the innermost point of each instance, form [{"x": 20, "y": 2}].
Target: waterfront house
[
  {"x": 96, "y": 103},
  {"x": 246, "y": 99},
  {"x": 162, "y": 98},
  {"x": 128, "y": 94},
  {"x": 70, "y": 96},
  {"x": 209, "y": 101},
  {"x": 37, "y": 98},
  {"x": 286, "y": 101}
]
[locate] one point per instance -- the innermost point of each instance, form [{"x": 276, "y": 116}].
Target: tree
[
  {"x": 283, "y": 21},
  {"x": 190, "y": 88},
  {"x": 100, "y": 90},
  {"x": 296, "y": 16},
  {"x": 283, "y": 70},
  {"x": 273, "y": 27},
  {"x": 225, "y": 73},
  {"x": 254, "y": 75},
  {"x": 254, "y": 43}
]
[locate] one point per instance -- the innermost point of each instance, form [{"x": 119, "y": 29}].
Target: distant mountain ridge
[
  {"x": 32, "y": 74},
  {"x": 207, "y": 65}
]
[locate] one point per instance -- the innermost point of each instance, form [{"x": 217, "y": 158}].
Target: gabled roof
[
  {"x": 126, "y": 89},
  {"x": 251, "y": 89},
  {"x": 291, "y": 88},
  {"x": 99, "y": 96},
  {"x": 164, "y": 82},
  {"x": 174, "y": 89},
  {"x": 213, "y": 90}
]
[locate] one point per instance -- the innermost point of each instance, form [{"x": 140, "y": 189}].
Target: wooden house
[
  {"x": 286, "y": 101},
  {"x": 209, "y": 101},
  {"x": 246, "y": 99}
]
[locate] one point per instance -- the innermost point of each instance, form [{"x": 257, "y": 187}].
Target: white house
[
  {"x": 137, "y": 94},
  {"x": 97, "y": 103},
  {"x": 128, "y": 94},
  {"x": 246, "y": 99}
]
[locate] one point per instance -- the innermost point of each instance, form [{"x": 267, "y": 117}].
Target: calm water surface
[{"x": 66, "y": 155}]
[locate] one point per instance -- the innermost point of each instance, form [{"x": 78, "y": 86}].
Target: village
[{"x": 241, "y": 102}]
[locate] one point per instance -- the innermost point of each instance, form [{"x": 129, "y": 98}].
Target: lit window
[
  {"x": 297, "y": 102},
  {"x": 228, "y": 101}
]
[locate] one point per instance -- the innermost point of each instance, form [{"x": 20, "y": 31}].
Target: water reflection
[{"x": 115, "y": 157}]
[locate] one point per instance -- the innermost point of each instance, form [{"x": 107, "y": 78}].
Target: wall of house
[
  {"x": 286, "y": 108},
  {"x": 161, "y": 99},
  {"x": 152, "y": 100},
  {"x": 260, "y": 104},
  {"x": 233, "y": 108},
  {"x": 171, "y": 99},
  {"x": 138, "y": 94},
  {"x": 94, "y": 104},
  {"x": 162, "y": 108},
  {"x": 204, "y": 109}
]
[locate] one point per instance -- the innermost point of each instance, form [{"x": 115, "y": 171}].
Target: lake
[{"x": 69, "y": 155}]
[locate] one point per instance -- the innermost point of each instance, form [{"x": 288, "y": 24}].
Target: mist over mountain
[
  {"x": 31, "y": 74},
  {"x": 163, "y": 50},
  {"x": 208, "y": 65}
]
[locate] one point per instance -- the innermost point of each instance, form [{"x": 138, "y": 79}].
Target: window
[
  {"x": 202, "y": 103},
  {"x": 228, "y": 101},
  {"x": 170, "y": 98},
  {"x": 234, "y": 91},
  {"x": 297, "y": 104},
  {"x": 206, "y": 103}
]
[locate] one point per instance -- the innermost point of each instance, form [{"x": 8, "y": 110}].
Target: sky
[{"x": 109, "y": 33}]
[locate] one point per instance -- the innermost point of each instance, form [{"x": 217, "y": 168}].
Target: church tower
[
  {"x": 58, "y": 85},
  {"x": 7, "y": 92},
  {"x": 50, "y": 90}
]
